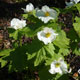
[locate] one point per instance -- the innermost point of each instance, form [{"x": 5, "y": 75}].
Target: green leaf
[
  {"x": 77, "y": 28},
  {"x": 39, "y": 51},
  {"x": 63, "y": 77},
  {"x": 17, "y": 59},
  {"x": 14, "y": 35},
  {"x": 5, "y": 52},
  {"x": 78, "y": 7},
  {"x": 50, "y": 49},
  {"x": 77, "y": 19},
  {"x": 35, "y": 49},
  {"x": 72, "y": 32},
  {"x": 45, "y": 75},
  {"x": 64, "y": 51},
  {"x": 61, "y": 40},
  {"x": 40, "y": 56},
  {"x": 11, "y": 30},
  {"x": 3, "y": 62},
  {"x": 25, "y": 16},
  {"x": 76, "y": 51}
]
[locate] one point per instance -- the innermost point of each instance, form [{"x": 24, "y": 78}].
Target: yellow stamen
[
  {"x": 47, "y": 14},
  {"x": 57, "y": 64},
  {"x": 48, "y": 35}
]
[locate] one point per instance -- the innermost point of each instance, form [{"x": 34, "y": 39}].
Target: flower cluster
[{"x": 48, "y": 35}]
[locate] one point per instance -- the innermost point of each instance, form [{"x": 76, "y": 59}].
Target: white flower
[
  {"x": 47, "y": 35},
  {"x": 69, "y": 4},
  {"x": 46, "y": 14},
  {"x": 58, "y": 67},
  {"x": 29, "y": 8},
  {"x": 16, "y": 23}
]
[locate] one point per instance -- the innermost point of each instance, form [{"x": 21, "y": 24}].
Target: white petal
[
  {"x": 29, "y": 7},
  {"x": 45, "y": 8},
  {"x": 58, "y": 70},
  {"x": 53, "y": 13},
  {"x": 52, "y": 71},
  {"x": 23, "y": 23},
  {"x": 39, "y": 13},
  {"x": 76, "y": 1},
  {"x": 45, "y": 19},
  {"x": 64, "y": 67},
  {"x": 41, "y": 35},
  {"x": 68, "y": 4}
]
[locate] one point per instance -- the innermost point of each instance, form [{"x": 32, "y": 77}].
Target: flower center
[
  {"x": 48, "y": 35},
  {"x": 47, "y": 14},
  {"x": 57, "y": 65}
]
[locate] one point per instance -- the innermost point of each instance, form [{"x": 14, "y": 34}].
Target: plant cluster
[{"x": 40, "y": 43}]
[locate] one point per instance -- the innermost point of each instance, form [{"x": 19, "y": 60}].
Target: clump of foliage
[{"x": 39, "y": 43}]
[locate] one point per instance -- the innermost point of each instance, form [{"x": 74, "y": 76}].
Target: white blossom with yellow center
[
  {"x": 45, "y": 14},
  {"x": 29, "y": 8},
  {"x": 58, "y": 67},
  {"x": 47, "y": 35},
  {"x": 17, "y": 24}
]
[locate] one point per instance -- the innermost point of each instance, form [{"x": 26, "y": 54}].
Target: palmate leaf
[
  {"x": 74, "y": 41},
  {"x": 64, "y": 51},
  {"x": 16, "y": 34},
  {"x": 3, "y": 54},
  {"x": 78, "y": 7},
  {"x": 31, "y": 30},
  {"x": 40, "y": 56},
  {"x": 34, "y": 49},
  {"x": 76, "y": 51},
  {"x": 13, "y": 33},
  {"x": 17, "y": 59},
  {"x": 50, "y": 49},
  {"x": 44, "y": 53},
  {"x": 39, "y": 51},
  {"x": 62, "y": 42},
  {"x": 72, "y": 32},
  {"x": 77, "y": 28},
  {"x": 3, "y": 62}
]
